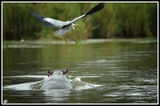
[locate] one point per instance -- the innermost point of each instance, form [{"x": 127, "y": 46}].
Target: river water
[{"x": 102, "y": 71}]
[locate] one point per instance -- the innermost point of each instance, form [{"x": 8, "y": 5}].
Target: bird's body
[{"x": 64, "y": 26}]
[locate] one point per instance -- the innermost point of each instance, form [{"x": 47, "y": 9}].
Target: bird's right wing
[{"x": 47, "y": 21}]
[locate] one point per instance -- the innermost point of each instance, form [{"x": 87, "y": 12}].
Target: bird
[{"x": 64, "y": 26}]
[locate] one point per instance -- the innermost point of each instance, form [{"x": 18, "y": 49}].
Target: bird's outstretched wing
[
  {"x": 93, "y": 10},
  {"x": 48, "y": 21}
]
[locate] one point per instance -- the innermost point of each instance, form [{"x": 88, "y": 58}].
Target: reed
[{"x": 115, "y": 20}]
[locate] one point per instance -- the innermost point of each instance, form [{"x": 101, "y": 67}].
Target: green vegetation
[{"x": 115, "y": 20}]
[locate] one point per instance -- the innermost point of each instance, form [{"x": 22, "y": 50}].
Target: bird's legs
[
  {"x": 72, "y": 39},
  {"x": 65, "y": 39}
]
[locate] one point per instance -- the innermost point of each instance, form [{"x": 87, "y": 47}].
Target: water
[{"x": 101, "y": 71}]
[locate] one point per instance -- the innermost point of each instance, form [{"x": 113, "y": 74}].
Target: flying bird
[{"x": 67, "y": 25}]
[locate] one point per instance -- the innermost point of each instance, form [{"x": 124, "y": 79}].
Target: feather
[{"x": 95, "y": 9}]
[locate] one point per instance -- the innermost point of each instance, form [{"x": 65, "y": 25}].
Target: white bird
[{"x": 67, "y": 25}]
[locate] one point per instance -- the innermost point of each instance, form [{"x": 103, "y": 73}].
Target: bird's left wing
[
  {"x": 48, "y": 21},
  {"x": 95, "y": 9},
  {"x": 76, "y": 19},
  {"x": 91, "y": 11}
]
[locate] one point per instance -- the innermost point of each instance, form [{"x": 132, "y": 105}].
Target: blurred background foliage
[{"x": 115, "y": 20}]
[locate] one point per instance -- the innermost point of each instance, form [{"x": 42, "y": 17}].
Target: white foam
[{"x": 76, "y": 82}]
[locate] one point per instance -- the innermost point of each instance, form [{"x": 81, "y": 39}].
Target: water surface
[{"x": 101, "y": 71}]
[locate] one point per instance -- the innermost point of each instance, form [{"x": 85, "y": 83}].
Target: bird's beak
[{"x": 77, "y": 25}]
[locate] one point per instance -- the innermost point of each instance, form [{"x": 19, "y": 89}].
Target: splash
[{"x": 77, "y": 83}]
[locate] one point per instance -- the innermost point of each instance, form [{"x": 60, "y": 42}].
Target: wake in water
[{"x": 77, "y": 84}]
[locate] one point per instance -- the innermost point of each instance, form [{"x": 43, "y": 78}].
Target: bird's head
[{"x": 75, "y": 24}]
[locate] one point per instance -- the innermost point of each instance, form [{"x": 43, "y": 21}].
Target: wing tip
[{"x": 98, "y": 7}]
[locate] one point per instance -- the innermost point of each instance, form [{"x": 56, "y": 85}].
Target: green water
[{"x": 125, "y": 69}]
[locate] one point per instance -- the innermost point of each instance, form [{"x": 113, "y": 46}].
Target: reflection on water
[
  {"x": 57, "y": 96},
  {"x": 108, "y": 71}
]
